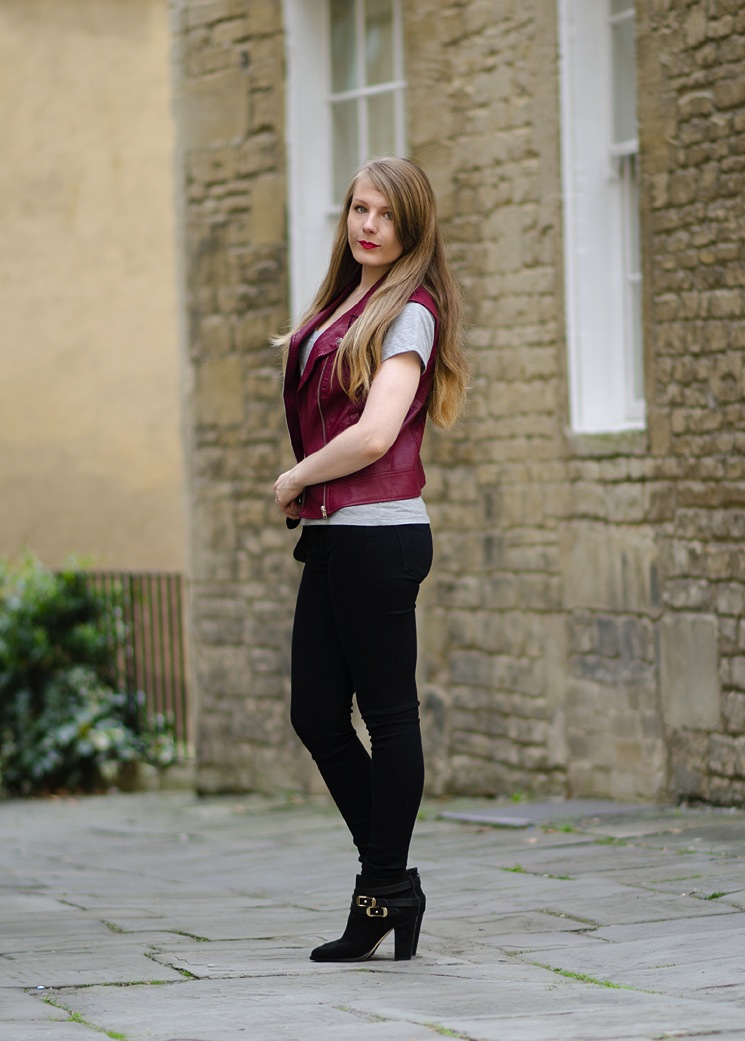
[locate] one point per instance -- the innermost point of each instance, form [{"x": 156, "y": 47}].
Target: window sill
[{"x": 619, "y": 443}]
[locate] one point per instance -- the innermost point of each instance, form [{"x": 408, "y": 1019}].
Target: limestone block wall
[
  {"x": 483, "y": 121},
  {"x": 653, "y": 561},
  {"x": 583, "y": 630},
  {"x": 229, "y": 102},
  {"x": 693, "y": 68}
]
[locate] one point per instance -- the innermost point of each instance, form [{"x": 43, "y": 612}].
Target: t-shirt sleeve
[{"x": 412, "y": 330}]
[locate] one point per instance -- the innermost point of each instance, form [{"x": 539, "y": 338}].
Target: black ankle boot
[
  {"x": 413, "y": 874},
  {"x": 376, "y": 911}
]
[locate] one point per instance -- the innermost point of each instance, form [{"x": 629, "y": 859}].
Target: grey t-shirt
[{"x": 412, "y": 330}]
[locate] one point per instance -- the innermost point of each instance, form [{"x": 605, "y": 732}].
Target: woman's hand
[{"x": 287, "y": 491}]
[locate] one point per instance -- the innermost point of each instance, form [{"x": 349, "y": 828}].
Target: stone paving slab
[
  {"x": 27, "y": 933},
  {"x": 502, "y": 1003},
  {"x": 637, "y": 1023},
  {"x": 568, "y": 860},
  {"x": 570, "y": 1014},
  {"x": 699, "y": 933},
  {"x": 210, "y": 1010},
  {"x": 51, "y": 1031},
  {"x": 75, "y": 966},
  {"x": 525, "y": 814},
  {"x": 689, "y": 876},
  {"x": 607, "y": 902},
  {"x": 658, "y": 965},
  {"x": 722, "y": 834},
  {"x": 23, "y": 1008},
  {"x": 516, "y": 943},
  {"x": 169, "y": 918}
]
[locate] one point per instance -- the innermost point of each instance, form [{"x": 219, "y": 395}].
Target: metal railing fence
[{"x": 148, "y": 645}]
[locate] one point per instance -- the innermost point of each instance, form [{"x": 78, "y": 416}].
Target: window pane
[
  {"x": 621, "y": 6},
  {"x": 345, "y": 147},
  {"x": 381, "y": 124},
  {"x": 624, "y": 80},
  {"x": 343, "y": 46},
  {"x": 632, "y": 196},
  {"x": 632, "y": 262},
  {"x": 635, "y": 318},
  {"x": 378, "y": 41}
]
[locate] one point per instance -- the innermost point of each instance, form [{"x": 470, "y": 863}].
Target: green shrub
[{"x": 63, "y": 723}]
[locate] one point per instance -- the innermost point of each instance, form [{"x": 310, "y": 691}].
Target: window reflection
[
  {"x": 343, "y": 47},
  {"x": 378, "y": 41},
  {"x": 366, "y": 84}
]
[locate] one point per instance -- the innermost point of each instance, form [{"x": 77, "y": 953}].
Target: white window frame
[
  {"x": 602, "y": 340},
  {"x": 395, "y": 86},
  {"x": 308, "y": 154},
  {"x": 312, "y": 212}
]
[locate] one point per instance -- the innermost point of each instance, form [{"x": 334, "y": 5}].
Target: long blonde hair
[{"x": 409, "y": 195}]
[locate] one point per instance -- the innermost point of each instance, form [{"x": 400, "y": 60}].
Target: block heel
[
  {"x": 374, "y": 913},
  {"x": 405, "y": 939},
  {"x": 414, "y": 876}
]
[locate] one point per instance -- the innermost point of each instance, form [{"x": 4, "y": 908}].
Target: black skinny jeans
[{"x": 355, "y": 633}]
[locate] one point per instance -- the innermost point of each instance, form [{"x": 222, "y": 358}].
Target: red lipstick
[{"x": 368, "y": 245}]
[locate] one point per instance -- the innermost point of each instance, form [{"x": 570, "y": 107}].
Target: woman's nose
[{"x": 369, "y": 224}]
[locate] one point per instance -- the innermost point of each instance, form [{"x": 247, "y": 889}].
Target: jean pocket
[
  {"x": 415, "y": 541},
  {"x": 300, "y": 552}
]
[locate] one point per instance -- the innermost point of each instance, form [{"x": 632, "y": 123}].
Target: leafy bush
[{"x": 63, "y": 723}]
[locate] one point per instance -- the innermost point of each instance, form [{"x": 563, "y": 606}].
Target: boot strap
[
  {"x": 404, "y": 888},
  {"x": 375, "y": 908}
]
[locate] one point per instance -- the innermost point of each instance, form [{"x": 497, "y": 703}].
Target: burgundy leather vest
[{"x": 317, "y": 409}]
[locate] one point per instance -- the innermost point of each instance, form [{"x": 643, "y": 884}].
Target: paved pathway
[{"x": 159, "y": 917}]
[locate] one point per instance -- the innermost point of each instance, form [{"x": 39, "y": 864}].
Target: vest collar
[{"x": 330, "y": 338}]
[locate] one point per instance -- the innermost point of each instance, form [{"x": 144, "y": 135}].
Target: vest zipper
[{"x": 323, "y": 428}]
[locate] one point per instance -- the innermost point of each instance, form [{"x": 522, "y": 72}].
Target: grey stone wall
[
  {"x": 583, "y": 630},
  {"x": 229, "y": 103},
  {"x": 693, "y": 122},
  {"x": 484, "y": 122}
]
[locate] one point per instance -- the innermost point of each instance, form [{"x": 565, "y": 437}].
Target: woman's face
[{"x": 371, "y": 231}]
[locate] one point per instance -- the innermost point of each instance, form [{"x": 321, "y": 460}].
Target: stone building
[{"x": 584, "y": 627}]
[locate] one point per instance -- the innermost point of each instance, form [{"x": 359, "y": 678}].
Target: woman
[{"x": 379, "y": 348}]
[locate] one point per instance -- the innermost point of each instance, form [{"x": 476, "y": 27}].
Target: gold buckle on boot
[
  {"x": 377, "y": 912},
  {"x": 366, "y": 901}
]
